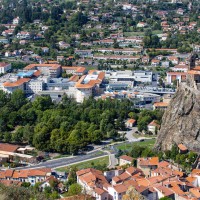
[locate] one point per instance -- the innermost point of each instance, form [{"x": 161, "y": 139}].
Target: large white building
[
  {"x": 129, "y": 76},
  {"x": 144, "y": 76},
  {"x": 89, "y": 85},
  {"x": 34, "y": 86},
  {"x": 52, "y": 70}
]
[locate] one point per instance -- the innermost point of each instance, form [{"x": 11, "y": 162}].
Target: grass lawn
[
  {"x": 87, "y": 164},
  {"x": 147, "y": 143},
  {"x": 129, "y": 34}
]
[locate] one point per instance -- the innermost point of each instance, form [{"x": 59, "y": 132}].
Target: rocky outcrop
[{"x": 181, "y": 121}]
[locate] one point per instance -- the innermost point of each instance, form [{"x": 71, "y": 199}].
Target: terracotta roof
[
  {"x": 99, "y": 191},
  {"x": 9, "y": 173},
  {"x": 143, "y": 182},
  {"x": 176, "y": 73},
  {"x": 193, "y": 72},
  {"x": 91, "y": 83},
  {"x": 133, "y": 170},
  {"x": 2, "y": 174},
  {"x": 80, "y": 70},
  {"x": 37, "y": 73},
  {"x": 160, "y": 104},
  {"x": 3, "y": 64},
  {"x": 154, "y": 123},
  {"x": 196, "y": 171},
  {"x": 191, "y": 179},
  {"x": 15, "y": 174},
  {"x": 181, "y": 66},
  {"x": 148, "y": 161},
  {"x": 177, "y": 190},
  {"x": 8, "y": 147},
  {"x": 195, "y": 192},
  {"x": 163, "y": 164},
  {"x": 74, "y": 78},
  {"x": 165, "y": 191},
  {"x": 33, "y": 66},
  {"x": 127, "y": 158},
  {"x": 16, "y": 83},
  {"x": 131, "y": 121},
  {"x": 91, "y": 177},
  {"x": 182, "y": 147},
  {"x": 120, "y": 188},
  {"x": 36, "y": 172}
]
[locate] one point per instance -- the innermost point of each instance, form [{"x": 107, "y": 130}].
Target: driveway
[{"x": 129, "y": 135}]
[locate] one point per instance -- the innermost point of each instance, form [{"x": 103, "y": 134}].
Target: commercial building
[
  {"x": 89, "y": 85},
  {"x": 52, "y": 70}
]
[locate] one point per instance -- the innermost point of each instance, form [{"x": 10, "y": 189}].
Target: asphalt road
[{"x": 60, "y": 162}]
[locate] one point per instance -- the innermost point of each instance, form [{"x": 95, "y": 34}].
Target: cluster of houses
[
  {"x": 13, "y": 153},
  {"x": 44, "y": 176},
  {"x": 151, "y": 178}
]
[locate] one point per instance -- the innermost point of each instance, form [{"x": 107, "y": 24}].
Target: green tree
[{"x": 75, "y": 189}]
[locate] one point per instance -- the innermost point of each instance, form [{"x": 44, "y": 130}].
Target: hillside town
[{"x": 87, "y": 90}]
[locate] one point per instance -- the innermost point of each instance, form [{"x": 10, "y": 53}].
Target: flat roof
[{"x": 27, "y": 74}]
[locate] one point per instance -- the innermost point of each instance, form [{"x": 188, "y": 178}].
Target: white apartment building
[
  {"x": 143, "y": 76},
  {"x": 34, "y": 86},
  {"x": 4, "y": 67}
]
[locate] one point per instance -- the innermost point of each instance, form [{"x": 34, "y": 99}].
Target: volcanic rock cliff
[{"x": 181, "y": 121}]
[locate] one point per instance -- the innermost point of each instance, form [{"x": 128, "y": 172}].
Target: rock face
[{"x": 181, "y": 121}]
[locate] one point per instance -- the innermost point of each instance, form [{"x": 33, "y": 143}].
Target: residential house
[
  {"x": 173, "y": 59},
  {"x": 153, "y": 127},
  {"x": 130, "y": 123},
  {"x": 16, "y": 20},
  {"x": 8, "y": 54},
  {"x": 8, "y": 32},
  {"x": 23, "y": 35},
  {"x": 4, "y": 67},
  {"x": 124, "y": 160},
  {"x": 147, "y": 164},
  {"x": 84, "y": 53},
  {"x": 160, "y": 105},
  {"x": 141, "y": 25},
  {"x": 180, "y": 68},
  {"x": 90, "y": 179},
  {"x": 176, "y": 76},
  {"x": 45, "y": 49},
  {"x": 145, "y": 59},
  {"x": 155, "y": 62},
  {"x": 180, "y": 11}
]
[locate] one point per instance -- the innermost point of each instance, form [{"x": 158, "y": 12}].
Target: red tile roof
[
  {"x": 182, "y": 147},
  {"x": 127, "y": 158},
  {"x": 3, "y": 64},
  {"x": 8, "y": 147},
  {"x": 148, "y": 161},
  {"x": 16, "y": 83}
]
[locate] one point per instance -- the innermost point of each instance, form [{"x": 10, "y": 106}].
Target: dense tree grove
[
  {"x": 68, "y": 126},
  {"x": 64, "y": 127}
]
